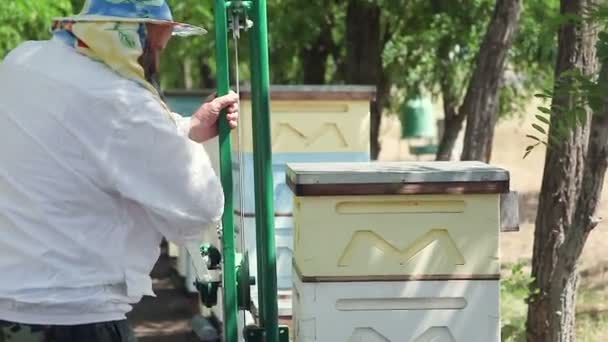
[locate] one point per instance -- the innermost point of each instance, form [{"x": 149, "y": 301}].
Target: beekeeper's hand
[{"x": 204, "y": 124}]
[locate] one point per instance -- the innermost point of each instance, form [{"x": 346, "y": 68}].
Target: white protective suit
[{"x": 92, "y": 175}]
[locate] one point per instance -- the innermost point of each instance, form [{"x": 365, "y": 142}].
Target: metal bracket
[
  {"x": 208, "y": 292},
  {"x": 254, "y": 333},
  {"x": 509, "y": 212},
  {"x": 244, "y": 282},
  {"x": 212, "y": 256},
  {"x": 238, "y": 18},
  {"x": 208, "y": 287},
  {"x": 209, "y": 283}
]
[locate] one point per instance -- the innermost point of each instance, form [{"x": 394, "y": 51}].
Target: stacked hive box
[
  {"x": 404, "y": 252},
  {"x": 309, "y": 124}
]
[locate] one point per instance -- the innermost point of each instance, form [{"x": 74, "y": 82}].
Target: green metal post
[
  {"x": 229, "y": 289},
  {"x": 262, "y": 158}
]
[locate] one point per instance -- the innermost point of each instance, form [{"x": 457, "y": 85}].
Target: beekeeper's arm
[{"x": 162, "y": 169}]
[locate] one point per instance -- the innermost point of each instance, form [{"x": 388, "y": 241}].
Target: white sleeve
[
  {"x": 169, "y": 175},
  {"x": 183, "y": 123}
]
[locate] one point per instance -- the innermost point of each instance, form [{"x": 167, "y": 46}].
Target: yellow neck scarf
[{"x": 119, "y": 45}]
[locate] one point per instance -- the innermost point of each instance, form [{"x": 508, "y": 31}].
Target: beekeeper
[{"x": 94, "y": 170}]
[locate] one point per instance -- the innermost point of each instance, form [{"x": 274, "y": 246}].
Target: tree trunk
[
  {"x": 382, "y": 94},
  {"x": 450, "y": 92},
  {"x": 480, "y": 106},
  {"x": 207, "y": 80},
  {"x": 363, "y": 50},
  {"x": 451, "y": 128},
  {"x": 559, "y": 236},
  {"x": 314, "y": 57},
  {"x": 187, "y": 72},
  {"x": 452, "y": 122},
  {"x": 363, "y": 65}
]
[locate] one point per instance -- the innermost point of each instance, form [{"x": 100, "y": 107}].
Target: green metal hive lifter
[{"x": 235, "y": 276}]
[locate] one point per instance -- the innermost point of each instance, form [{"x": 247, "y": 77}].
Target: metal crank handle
[{"x": 204, "y": 273}]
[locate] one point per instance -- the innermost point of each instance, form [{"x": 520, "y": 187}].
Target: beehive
[
  {"x": 396, "y": 251},
  {"x": 308, "y": 124},
  {"x": 397, "y": 220},
  {"x": 313, "y": 119},
  {"x": 399, "y": 311}
]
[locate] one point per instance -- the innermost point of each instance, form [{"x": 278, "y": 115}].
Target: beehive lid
[
  {"x": 317, "y": 92},
  {"x": 318, "y": 179}
]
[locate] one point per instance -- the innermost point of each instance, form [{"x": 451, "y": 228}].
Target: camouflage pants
[{"x": 117, "y": 331}]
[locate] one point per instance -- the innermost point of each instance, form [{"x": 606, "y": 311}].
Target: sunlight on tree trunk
[
  {"x": 480, "y": 106},
  {"x": 187, "y": 73},
  {"x": 452, "y": 127}
]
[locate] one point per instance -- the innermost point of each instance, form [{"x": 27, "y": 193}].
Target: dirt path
[{"x": 166, "y": 318}]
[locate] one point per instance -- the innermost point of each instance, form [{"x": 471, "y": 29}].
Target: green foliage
[
  {"x": 591, "y": 316},
  {"x": 294, "y": 26},
  {"x": 571, "y": 86},
  {"x": 198, "y": 51},
  {"x": 514, "y": 292},
  {"x": 77, "y": 5},
  {"x": 28, "y": 20},
  {"x": 574, "y": 94},
  {"x": 429, "y": 44},
  {"x": 532, "y": 57},
  {"x": 436, "y": 48}
]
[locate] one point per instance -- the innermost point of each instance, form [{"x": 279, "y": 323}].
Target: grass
[
  {"x": 592, "y": 308},
  {"x": 592, "y": 315}
]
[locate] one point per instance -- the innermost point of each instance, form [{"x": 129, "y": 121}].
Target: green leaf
[
  {"x": 528, "y": 151},
  {"x": 561, "y": 130},
  {"x": 544, "y": 110},
  {"x": 570, "y": 119},
  {"x": 538, "y": 128},
  {"x": 542, "y": 119},
  {"x": 581, "y": 115},
  {"x": 532, "y": 137}
]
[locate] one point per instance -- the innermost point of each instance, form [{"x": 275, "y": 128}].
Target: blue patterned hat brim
[{"x": 179, "y": 29}]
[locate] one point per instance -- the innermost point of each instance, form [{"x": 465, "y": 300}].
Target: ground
[{"x": 167, "y": 318}]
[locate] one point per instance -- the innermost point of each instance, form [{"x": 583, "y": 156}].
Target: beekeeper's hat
[{"x": 138, "y": 11}]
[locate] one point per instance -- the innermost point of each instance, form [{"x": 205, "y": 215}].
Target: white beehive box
[
  {"x": 312, "y": 119},
  {"x": 401, "y": 311},
  {"x": 397, "y": 221},
  {"x": 405, "y": 251}
]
